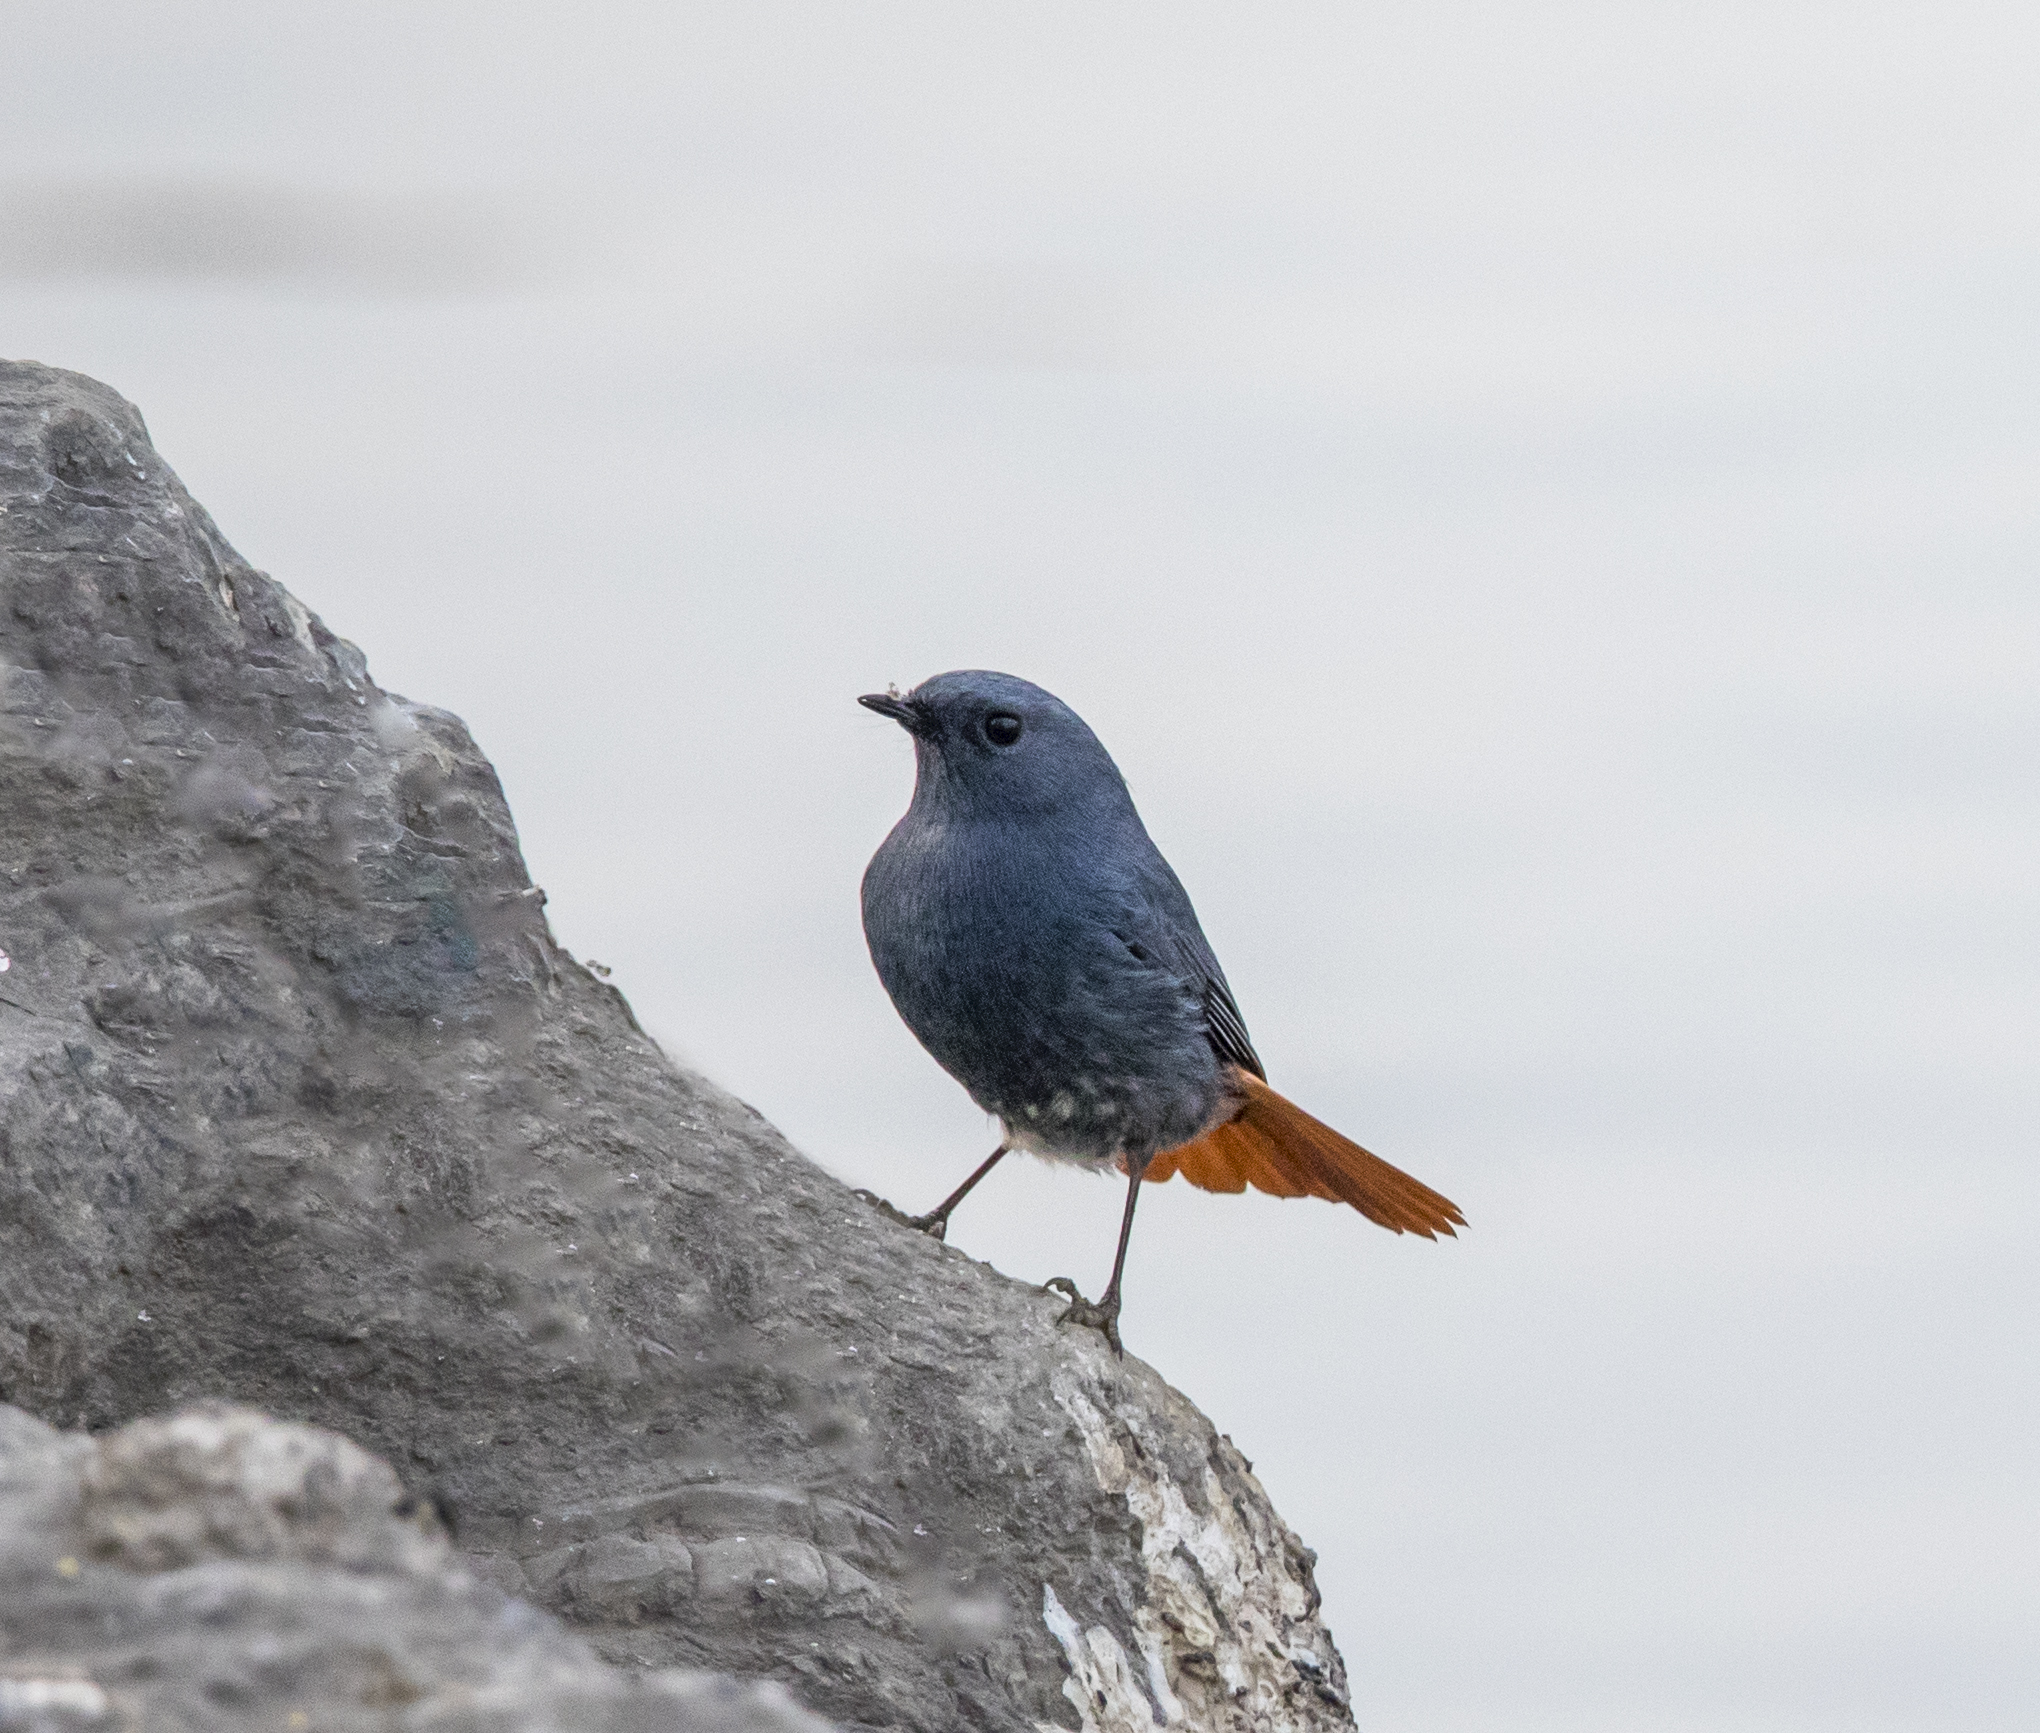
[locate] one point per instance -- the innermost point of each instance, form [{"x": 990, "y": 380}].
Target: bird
[{"x": 1033, "y": 938}]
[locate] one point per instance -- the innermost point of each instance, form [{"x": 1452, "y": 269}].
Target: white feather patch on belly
[{"x": 1039, "y": 1140}]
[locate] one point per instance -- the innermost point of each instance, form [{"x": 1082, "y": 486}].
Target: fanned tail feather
[{"x": 1276, "y": 1147}]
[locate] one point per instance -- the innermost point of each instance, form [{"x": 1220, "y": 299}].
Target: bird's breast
[{"x": 1002, "y": 957}]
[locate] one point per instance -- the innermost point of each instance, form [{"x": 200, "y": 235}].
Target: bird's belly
[
  {"x": 1094, "y": 1119},
  {"x": 1070, "y": 1073}
]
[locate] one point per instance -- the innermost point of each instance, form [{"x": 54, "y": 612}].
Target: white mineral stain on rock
[
  {"x": 1102, "y": 1683},
  {"x": 300, "y": 619},
  {"x": 1228, "y": 1628}
]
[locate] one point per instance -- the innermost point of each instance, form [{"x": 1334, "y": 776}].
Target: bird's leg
[
  {"x": 936, "y": 1221},
  {"x": 1104, "y": 1315}
]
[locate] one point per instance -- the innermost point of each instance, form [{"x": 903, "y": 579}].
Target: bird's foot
[
  {"x": 936, "y": 1226},
  {"x": 1100, "y": 1315}
]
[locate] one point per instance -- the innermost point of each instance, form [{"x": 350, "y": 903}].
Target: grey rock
[
  {"x": 301, "y": 1107},
  {"x": 216, "y": 1570}
]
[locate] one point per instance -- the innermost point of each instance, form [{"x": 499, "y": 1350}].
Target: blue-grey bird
[{"x": 1035, "y": 940}]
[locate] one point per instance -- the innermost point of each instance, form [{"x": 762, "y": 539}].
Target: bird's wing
[
  {"x": 1185, "y": 957},
  {"x": 1165, "y": 925},
  {"x": 1225, "y": 1028}
]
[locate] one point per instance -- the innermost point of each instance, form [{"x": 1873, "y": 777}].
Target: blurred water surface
[{"x": 1542, "y": 506}]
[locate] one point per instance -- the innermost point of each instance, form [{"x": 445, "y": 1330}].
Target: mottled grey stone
[
  {"x": 216, "y": 1570},
  {"x": 302, "y": 1107}
]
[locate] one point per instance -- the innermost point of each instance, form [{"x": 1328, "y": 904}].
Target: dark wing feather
[
  {"x": 1227, "y": 1029},
  {"x": 1162, "y": 923}
]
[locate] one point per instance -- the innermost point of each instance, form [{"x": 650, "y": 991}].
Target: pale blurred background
[{"x": 1544, "y": 504}]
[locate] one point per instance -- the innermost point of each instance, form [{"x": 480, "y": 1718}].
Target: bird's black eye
[{"x": 1002, "y": 728}]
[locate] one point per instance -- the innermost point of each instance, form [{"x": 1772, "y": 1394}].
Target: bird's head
[{"x": 994, "y": 745}]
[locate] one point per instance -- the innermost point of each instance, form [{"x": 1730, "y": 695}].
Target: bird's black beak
[{"x": 901, "y": 710}]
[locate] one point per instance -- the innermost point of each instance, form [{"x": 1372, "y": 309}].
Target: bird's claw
[
  {"x": 935, "y": 1226},
  {"x": 1100, "y": 1315}
]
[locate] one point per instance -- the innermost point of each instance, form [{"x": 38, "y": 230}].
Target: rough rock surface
[
  {"x": 301, "y": 1107},
  {"x": 216, "y": 1570}
]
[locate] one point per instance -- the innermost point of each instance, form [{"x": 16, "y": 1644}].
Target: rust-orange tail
[{"x": 1276, "y": 1147}]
